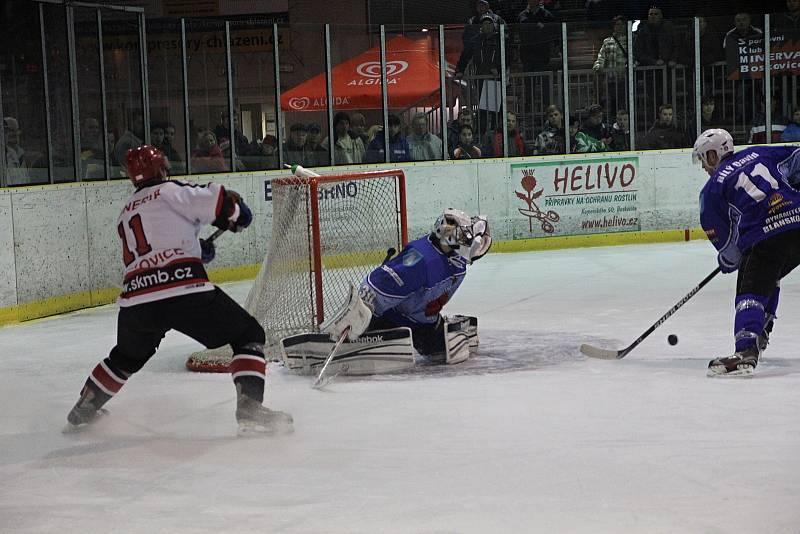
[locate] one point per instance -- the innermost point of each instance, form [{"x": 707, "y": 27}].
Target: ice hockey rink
[{"x": 528, "y": 436}]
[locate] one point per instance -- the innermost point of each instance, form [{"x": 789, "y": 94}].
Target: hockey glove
[
  {"x": 729, "y": 259},
  {"x": 207, "y": 251},
  {"x": 482, "y": 238},
  {"x": 244, "y": 219},
  {"x": 354, "y": 316}
]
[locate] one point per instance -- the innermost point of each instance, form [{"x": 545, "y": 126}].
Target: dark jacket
[
  {"x": 662, "y": 136},
  {"x": 483, "y": 51},
  {"x": 398, "y": 149},
  {"x": 652, "y": 43},
  {"x": 621, "y": 140}
]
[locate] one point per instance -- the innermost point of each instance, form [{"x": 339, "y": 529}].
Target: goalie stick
[
  {"x": 321, "y": 380},
  {"x": 606, "y": 354}
]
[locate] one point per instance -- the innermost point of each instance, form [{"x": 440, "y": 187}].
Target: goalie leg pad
[
  {"x": 374, "y": 352},
  {"x": 459, "y": 336}
]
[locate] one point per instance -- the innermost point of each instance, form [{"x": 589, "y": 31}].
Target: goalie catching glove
[{"x": 354, "y": 317}]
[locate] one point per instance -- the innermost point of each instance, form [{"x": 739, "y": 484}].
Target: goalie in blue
[
  {"x": 750, "y": 211},
  {"x": 410, "y": 289}
]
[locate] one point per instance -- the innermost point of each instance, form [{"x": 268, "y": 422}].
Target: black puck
[{"x": 672, "y": 339}]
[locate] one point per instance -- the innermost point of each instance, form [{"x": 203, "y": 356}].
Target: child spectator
[
  {"x": 621, "y": 132},
  {"x": 551, "y": 139},
  {"x": 208, "y": 156},
  {"x": 595, "y": 135},
  {"x": 466, "y": 149}
]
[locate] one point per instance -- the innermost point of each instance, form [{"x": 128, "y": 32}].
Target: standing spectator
[
  {"x": 398, "y": 145},
  {"x": 466, "y": 149},
  {"x": 537, "y": 33},
  {"x": 465, "y": 118},
  {"x": 208, "y": 156},
  {"x": 516, "y": 146},
  {"x": 551, "y": 140},
  {"x": 472, "y": 26},
  {"x": 654, "y": 42},
  {"x": 612, "y": 60},
  {"x": 594, "y": 135},
  {"x": 710, "y": 46},
  {"x": 347, "y": 148},
  {"x": 792, "y": 131},
  {"x": 92, "y": 150},
  {"x": 621, "y": 132},
  {"x": 17, "y": 163},
  {"x": 131, "y": 138},
  {"x": 294, "y": 148},
  {"x": 664, "y": 133},
  {"x": 424, "y": 145},
  {"x": 483, "y": 52},
  {"x": 742, "y": 29},
  {"x": 787, "y": 22},
  {"x": 758, "y": 133},
  {"x": 318, "y": 151}
]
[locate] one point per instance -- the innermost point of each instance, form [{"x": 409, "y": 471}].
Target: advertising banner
[{"x": 745, "y": 55}]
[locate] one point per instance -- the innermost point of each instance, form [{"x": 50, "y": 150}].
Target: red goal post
[{"x": 327, "y": 232}]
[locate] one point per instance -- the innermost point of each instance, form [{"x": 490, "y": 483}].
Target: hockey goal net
[{"x": 327, "y": 232}]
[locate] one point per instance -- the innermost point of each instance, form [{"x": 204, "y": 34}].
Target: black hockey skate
[
  {"x": 256, "y": 419},
  {"x": 83, "y": 413},
  {"x": 763, "y": 339},
  {"x": 739, "y": 364}
]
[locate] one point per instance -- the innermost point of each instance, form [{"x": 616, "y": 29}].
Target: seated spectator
[
  {"x": 93, "y": 156},
  {"x": 537, "y": 34},
  {"x": 347, "y": 148},
  {"x": 17, "y": 164},
  {"x": 654, "y": 41},
  {"x": 156, "y": 135},
  {"x": 223, "y": 133},
  {"x": 551, "y": 140},
  {"x": 208, "y": 156},
  {"x": 318, "y": 151},
  {"x": 398, "y": 145},
  {"x": 612, "y": 58},
  {"x": 265, "y": 154},
  {"x": 516, "y": 146},
  {"x": 594, "y": 135},
  {"x": 792, "y": 131},
  {"x": 574, "y": 128},
  {"x": 708, "y": 117},
  {"x": 465, "y": 118},
  {"x": 131, "y": 138},
  {"x": 758, "y": 133},
  {"x": 621, "y": 132},
  {"x": 787, "y": 22},
  {"x": 166, "y": 146},
  {"x": 466, "y": 149},
  {"x": 294, "y": 148},
  {"x": 423, "y": 145},
  {"x": 664, "y": 133},
  {"x": 742, "y": 29}
]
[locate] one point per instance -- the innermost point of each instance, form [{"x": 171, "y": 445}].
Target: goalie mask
[
  {"x": 146, "y": 163},
  {"x": 468, "y": 237}
]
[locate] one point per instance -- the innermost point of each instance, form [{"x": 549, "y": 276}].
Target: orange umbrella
[{"x": 412, "y": 78}]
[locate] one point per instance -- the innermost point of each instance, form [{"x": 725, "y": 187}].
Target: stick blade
[{"x": 601, "y": 354}]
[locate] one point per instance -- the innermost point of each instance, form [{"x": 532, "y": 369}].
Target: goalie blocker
[{"x": 380, "y": 351}]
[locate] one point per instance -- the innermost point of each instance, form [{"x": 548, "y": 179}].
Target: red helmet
[{"x": 145, "y": 163}]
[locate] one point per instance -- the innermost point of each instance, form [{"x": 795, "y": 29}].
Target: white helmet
[
  {"x": 454, "y": 229},
  {"x": 716, "y": 140}
]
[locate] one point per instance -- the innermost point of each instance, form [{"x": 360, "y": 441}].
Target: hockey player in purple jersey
[
  {"x": 750, "y": 211},
  {"x": 410, "y": 289}
]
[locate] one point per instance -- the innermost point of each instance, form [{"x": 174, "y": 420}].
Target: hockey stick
[
  {"x": 606, "y": 354},
  {"x": 321, "y": 382},
  {"x": 212, "y": 237}
]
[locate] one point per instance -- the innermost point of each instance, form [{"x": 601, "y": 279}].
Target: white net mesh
[{"x": 317, "y": 249}]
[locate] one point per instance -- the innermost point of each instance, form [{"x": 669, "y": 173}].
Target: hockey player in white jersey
[
  {"x": 165, "y": 287},
  {"x": 410, "y": 289}
]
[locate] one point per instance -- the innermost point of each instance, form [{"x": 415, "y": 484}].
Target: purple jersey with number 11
[{"x": 751, "y": 197}]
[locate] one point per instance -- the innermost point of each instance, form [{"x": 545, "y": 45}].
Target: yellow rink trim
[{"x": 98, "y": 297}]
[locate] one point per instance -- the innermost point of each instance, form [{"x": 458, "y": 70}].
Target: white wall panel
[
  {"x": 104, "y": 203},
  {"x": 8, "y": 278}
]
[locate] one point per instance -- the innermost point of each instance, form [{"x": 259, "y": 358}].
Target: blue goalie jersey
[
  {"x": 411, "y": 288},
  {"x": 752, "y": 196}
]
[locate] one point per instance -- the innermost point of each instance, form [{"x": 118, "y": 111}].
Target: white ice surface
[{"x": 530, "y": 436}]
